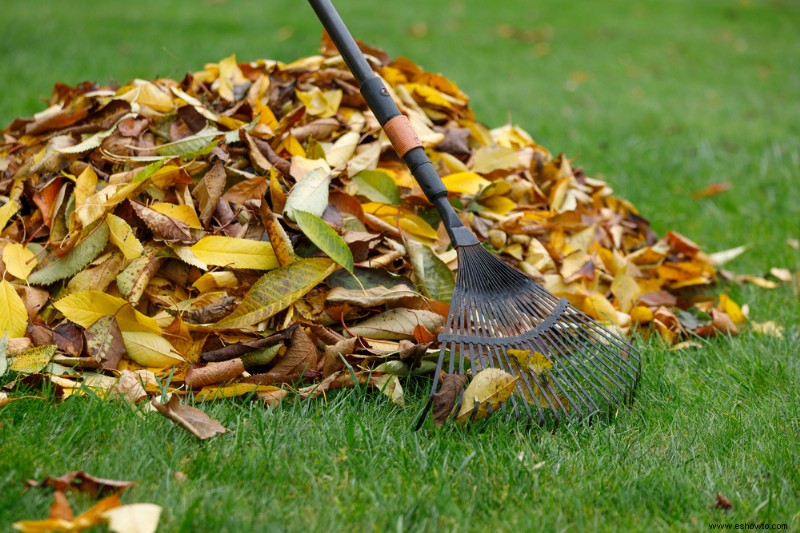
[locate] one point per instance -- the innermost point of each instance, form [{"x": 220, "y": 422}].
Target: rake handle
[{"x": 394, "y": 123}]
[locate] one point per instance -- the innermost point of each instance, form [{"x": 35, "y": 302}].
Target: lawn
[{"x": 661, "y": 98}]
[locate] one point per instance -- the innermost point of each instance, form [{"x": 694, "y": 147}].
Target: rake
[{"x": 566, "y": 366}]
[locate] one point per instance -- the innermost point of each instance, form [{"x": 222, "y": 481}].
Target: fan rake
[{"x": 565, "y": 365}]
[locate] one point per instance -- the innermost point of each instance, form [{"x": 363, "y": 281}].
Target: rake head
[{"x": 567, "y": 365}]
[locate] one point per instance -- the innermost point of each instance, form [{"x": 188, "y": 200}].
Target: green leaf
[
  {"x": 325, "y": 238},
  {"x": 75, "y": 261},
  {"x": 276, "y": 290},
  {"x": 377, "y": 186},
  {"x": 433, "y": 277}
]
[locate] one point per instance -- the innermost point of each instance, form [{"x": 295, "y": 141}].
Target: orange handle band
[{"x": 402, "y": 135}]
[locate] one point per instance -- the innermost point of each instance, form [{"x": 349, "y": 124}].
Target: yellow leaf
[
  {"x": 134, "y": 518},
  {"x": 536, "y": 362},
  {"x": 732, "y": 308},
  {"x": 499, "y": 205},
  {"x": 215, "y": 280},
  {"x": 13, "y": 315},
  {"x": 19, "y": 260},
  {"x": 265, "y": 115},
  {"x": 96, "y": 205},
  {"x": 320, "y": 103},
  {"x": 121, "y": 234},
  {"x": 487, "y": 159},
  {"x": 86, "y": 307},
  {"x": 465, "y": 182},
  {"x": 148, "y": 94},
  {"x": 149, "y": 349},
  {"x": 490, "y": 387},
  {"x": 626, "y": 290},
  {"x": 416, "y": 226},
  {"x": 230, "y": 75},
  {"x": 230, "y": 391},
  {"x": 85, "y": 186},
  {"x": 184, "y": 213},
  {"x": 7, "y": 211},
  {"x": 32, "y": 360},
  {"x": 235, "y": 253},
  {"x": 641, "y": 315}
]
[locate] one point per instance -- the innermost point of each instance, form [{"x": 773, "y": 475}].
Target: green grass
[{"x": 677, "y": 94}]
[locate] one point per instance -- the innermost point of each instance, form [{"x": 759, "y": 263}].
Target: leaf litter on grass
[{"x": 153, "y": 230}]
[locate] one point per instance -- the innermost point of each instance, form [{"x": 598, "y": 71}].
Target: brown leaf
[
  {"x": 60, "y": 509},
  {"x": 164, "y": 228},
  {"x": 104, "y": 342},
  {"x": 232, "y": 351},
  {"x": 332, "y": 358},
  {"x": 445, "y": 399},
  {"x": 209, "y": 190},
  {"x": 721, "y": 502},
  {"x": 213, "y": 373},
  {"x": 69, "y": 339},
  {"x": 301, "y": 355},
  {"x": 211, "y": 312},
  {"x": 80, "y": 481},
  {"x": 712, "y": 190},
  {"x": 190, "y": 418}
]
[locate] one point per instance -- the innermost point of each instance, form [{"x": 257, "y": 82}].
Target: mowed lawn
[{"x": 661, "y": 98}]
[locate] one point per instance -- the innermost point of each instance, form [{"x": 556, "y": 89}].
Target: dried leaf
[
  {"x": 190, "y": 418},
  {"x": 209, "y": 190},
  {"x": 372, "y": 297},
  {"x": 7, "y": 210},
  {"x": 281, "y": 244},
  {"x": 164, "y": 228},
  {"x": 487, "y": 390},
  {"x": 721, "y": 502},
  {"x": 444, "y": 401},
  {"x": 199, "y": 377},
  {"x": 310, "y": 194},
  {"x": 89, "y": 518},
  {"x": 235, "y": 253},
  {"x": 397, "y": 324},
  {"x": 325, "y": 238},
  {"x": 133, "y": 518},
  {"x": 104, "y": 342},
  {"x": 301, "y": 355},
  {"x": 276, "y": 290}
]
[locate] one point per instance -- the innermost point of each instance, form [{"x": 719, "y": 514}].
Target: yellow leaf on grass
[
  {"x": 121, "y": 234},
  {"x": 86, "y": 307},
  {"x": 732, "y": 308},
  {"x": 536, "y": 362},
  {"x": 7, "y": 211},
  {"x": 465, "y": 182},
  {"x": 13, "y": 315},
  {"x": 490, "y": 387},
  {"x": 92, "y": 517},
  {"x": 219, "y": 250},
  {"x": 184, "y": 213},
  {"x": 19, "y": 260},
  {"x": 149, "y": 349},
  {"x": 134, "y": 518}
]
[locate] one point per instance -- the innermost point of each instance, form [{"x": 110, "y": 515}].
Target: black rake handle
[{"x": 394, "y": 123}]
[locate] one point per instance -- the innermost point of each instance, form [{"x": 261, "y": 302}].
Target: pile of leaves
[{"x": 249, "y": 230}]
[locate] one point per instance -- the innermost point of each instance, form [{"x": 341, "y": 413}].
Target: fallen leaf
[
  {"x": 32, "y": 360},
  {"x": 310, "y": 194},
  {"x": 376, "y": 186},
  {"x": 276, "y": 290},
  {"x": 432, "y": 276},
  {"x": 445, "y": 399},
  {"x": 19, "y": 260},
  {"x": 485, "y": 393},
  {"x": 134, "y": 518},
  {"x": 164, "y": 228},
  {"x": 74, "y": 261},
  {"x": 397, "y": 324},
  {"x": 121, "y": 234},
  {"x": 13, "y": 315},
  {"x": 712, "y": 190},
  {"x": 372, "y": 297},
  {"x": 89, "y": 518},
  {"x": 190, "y": 418},
  {"x": 721, "y": 502},
  {"x": 325, "y": 238},
  {"x": 770, "y": 327},
  {"x": 235, "y": 253},
  {"x": 150, "y": 349},
  {"x": 86, "y": 307}
]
